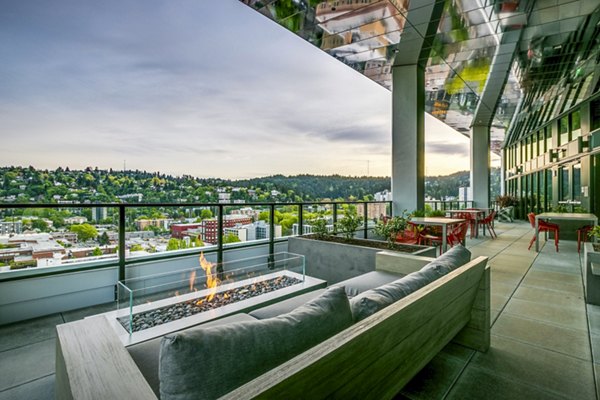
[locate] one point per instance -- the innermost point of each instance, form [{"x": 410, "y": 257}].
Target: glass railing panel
[{"x": 51, "y": 238}]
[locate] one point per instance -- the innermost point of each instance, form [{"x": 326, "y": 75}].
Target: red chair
[
  {"x": 543, "y": 226},
  {"x": 472, "y": 222},
  {"x": 488, "y": 221},
  {"x": 455, "y": 236},
  {"x": 411, "y": 235},
  {"x": 582, "y": 234}
]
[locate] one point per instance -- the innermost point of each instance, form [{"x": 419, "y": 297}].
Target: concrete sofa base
[{"x": 394, "y": 344}]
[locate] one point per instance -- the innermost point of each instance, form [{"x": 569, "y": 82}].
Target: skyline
[{"x": 173, "y": 88}]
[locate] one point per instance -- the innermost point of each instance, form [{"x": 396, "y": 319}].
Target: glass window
[
  {"x": 595, "y": 114},
  {"x": 563, "y": 130},
  {"x": 541, "y": 142},
  {"x": 542, "y": 192},
  {"x": 565, "y": 192},
  {"x": 575, "y": 124},
  {"x": 549, "y": 189},
  {"x": 534, "y": 146},
  {"x": 577, "y": 182},
  {"x": 534, "y": 192},
  {"x": 548, "y": 132}
]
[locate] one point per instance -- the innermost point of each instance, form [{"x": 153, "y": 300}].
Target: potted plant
[
  {"x": 506, "y": 205},
  {"x": 348, "y": 225},
  {"x": 390, "y": 229},
  {"x": 591, "y": 262},
  {"x": 335, "y": 258}
]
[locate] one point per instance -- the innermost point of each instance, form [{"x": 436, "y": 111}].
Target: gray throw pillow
[
  {"x": 371, "y": 301},
  {"x": 206, "y": 363}
]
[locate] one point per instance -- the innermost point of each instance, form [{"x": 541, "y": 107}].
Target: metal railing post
[
  {"x": 121, "y": 242},
  {"x": 220, "y": 235},
  {"x": 271, "y": 235},
  {"x": 365, "y": 222},
  {"x": 271, "y": 228},
  {"x": 300, "y": 219},
  {"x": 334, "y": 217}
]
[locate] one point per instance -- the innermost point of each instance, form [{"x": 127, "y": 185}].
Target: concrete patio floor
[{"x": 545, "y": 340}]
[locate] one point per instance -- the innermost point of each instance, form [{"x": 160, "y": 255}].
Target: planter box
[
  {"x": 335, "y": 262},
  {"x": 591, "y": 276}
]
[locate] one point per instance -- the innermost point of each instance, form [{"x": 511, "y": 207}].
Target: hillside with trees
[{"x": 92, "y": 185}]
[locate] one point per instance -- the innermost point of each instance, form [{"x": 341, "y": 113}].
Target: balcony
[{"x": 545, "y": 339}]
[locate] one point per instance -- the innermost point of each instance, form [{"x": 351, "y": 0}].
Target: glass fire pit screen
[{"x": 153, "y": 300}]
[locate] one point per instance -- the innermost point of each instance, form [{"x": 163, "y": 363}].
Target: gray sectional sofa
[{"x": 336, "y": 342}]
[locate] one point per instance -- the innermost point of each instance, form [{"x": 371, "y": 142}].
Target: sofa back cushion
[
  {"x": 206, "y": 363},
  {"x": 371, "y": 301}
]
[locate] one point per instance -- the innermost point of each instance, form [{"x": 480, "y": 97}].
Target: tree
[
  {"x": 263, "y": 216},
  {"x": 136, "y": 247},
  {"x": 97, "y": 252},
  {"x": 103, "y": 239},
  {"x": 230, "y": 238},
  {"x": 173, "y": 244},
  {"x": 39, "y": 224},
  {"x": 84, "y": 232},
  {"x": 206, "y": 214}
]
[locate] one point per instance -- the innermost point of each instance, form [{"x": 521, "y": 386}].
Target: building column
[
  {"x": 408, "y": 138},
  {"x": 480, "y": 165}
]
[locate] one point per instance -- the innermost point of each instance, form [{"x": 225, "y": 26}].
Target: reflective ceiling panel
[
  {"x": 360, "y": 33},
  {"x": 556, "y": 65}
]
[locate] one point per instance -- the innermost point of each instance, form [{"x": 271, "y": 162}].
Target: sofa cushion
[
  {"x": 145, "y": 354},
  {"x": 453, "y": 258},
  {"x": 206, "y": 363},
  {"x": 371, "y": 301},
  {"x": 285, "y": 306},
  {"x": 370, "y": 280}
]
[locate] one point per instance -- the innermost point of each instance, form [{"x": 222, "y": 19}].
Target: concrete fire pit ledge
[{"x": 335, "y": 262}]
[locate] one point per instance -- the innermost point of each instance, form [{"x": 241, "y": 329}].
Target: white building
[
  {"x": 10, "y": 227},
  {"x": 386, "y": 195},
  {"x": 465, "y": 193}
]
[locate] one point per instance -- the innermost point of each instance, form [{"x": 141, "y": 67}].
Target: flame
[
  {"x": 211, "y": 280},
  {"x": 192, "y": 280}
]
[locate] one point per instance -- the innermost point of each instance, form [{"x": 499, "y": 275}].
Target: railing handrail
[{"x": 122, "y": 261}]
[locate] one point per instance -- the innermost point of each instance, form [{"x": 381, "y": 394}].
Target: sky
[{"x": 208, "y": 88}]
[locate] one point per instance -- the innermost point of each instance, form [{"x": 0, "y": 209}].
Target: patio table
[
  {"x": 475, "y": 213},
  {"x": 443, "y": 222},
  {"x": 561, "y": 216}
]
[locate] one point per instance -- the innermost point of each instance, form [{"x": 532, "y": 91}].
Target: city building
[
  {"x": 99, "y": 213},
  {"x": 308, "y": 229},
  {"x": 75, "y": 220},
  {"x": 465, "y": 193},
  {"x": 162, "y": 223},
  {"x": 10, "y": 227},
  {"x": 207, "y": 229}
]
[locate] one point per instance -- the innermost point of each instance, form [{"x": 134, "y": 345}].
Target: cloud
[
  {"x": 447, "y": 149},
  {"x": 209, "y": 88}
]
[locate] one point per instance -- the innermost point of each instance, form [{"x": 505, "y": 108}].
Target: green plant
[
  {"x": 348, "y": 225},
  {"x": 507, "y": 201},
  {"x": 580, "y": 209},
  {"x": 594, "y": 232},
  {"x": 319, "y": 227},
  {"x": 418, "y": 213},
  {"x": 391, "y": 228},
  {"x": 561, "y": 208},
  {"x": 436, "y": 213},
  {"x": 23, "y": 264}
]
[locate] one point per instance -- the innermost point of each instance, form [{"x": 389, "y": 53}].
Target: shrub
[
  {"x": 391, "y": 228},
  {"x": 507, "y": 201},
  {"x": 348, "y": 225},
  {"x": 319, "y": 227}
]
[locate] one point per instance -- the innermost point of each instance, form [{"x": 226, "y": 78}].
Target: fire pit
[
  {"x": 148, "y": 319},
  {"x": 154, "y": 305}
]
